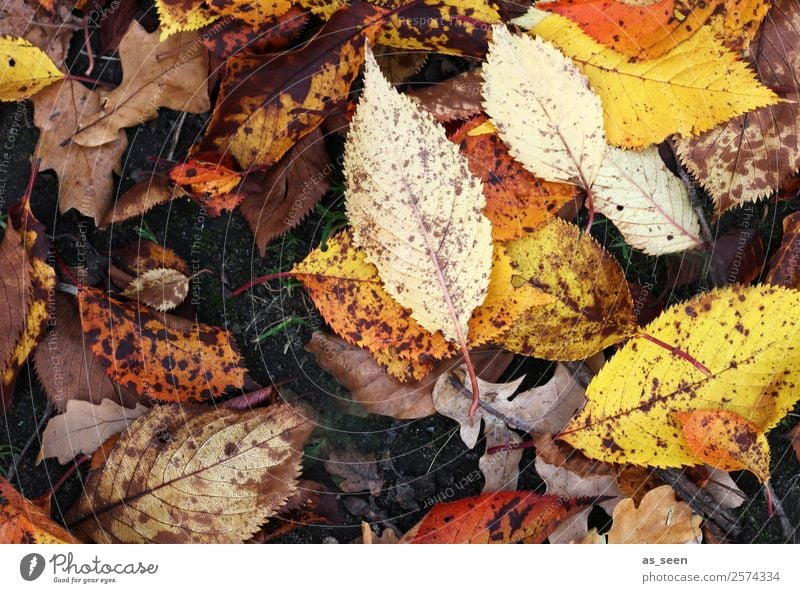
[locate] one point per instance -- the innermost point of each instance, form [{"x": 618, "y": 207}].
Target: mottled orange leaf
[
  {"x": 145, "y": 255},
  {"x": 22, "y": 522},
  {"x": 497, "y": 518},
  {"x": 251, "y": 12},
  {"x": 516, "y": 201},
  {"x": 227, "y": 38},
  {"x": 159, "y": 356},
  {"x": 211, "y": 184}
]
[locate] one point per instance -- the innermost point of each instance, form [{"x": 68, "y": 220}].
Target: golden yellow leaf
[
  {"x": 687, "y": 91},
  {"x": 26, "y": 69},
  {"x": 212, "y": 476},
  {"x": 659, "y": 519},
  {"x": 746, "y": 339},
  {"x": 591, "y": 305},
  {"x": 416, "y": 209},
  {"x": 251, "y": 12},
  {"x": 22, "y": 522},
  {"x": 738, "y": 23},
  {"x": 177, "y": 15}
]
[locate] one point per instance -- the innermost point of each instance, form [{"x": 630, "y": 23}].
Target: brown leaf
[
  {"x": 784, "y": 266},
  {"x": 455, "y": 98},
  {"x": 399, "y": 65},
  {"x": 358, "y": 472},
  {"x": 738, "y": 257},
  {"x": 22, "y": 522},
  {"x": 161, "y": 289},
  {"x": 145, "y": 255},
  {"x": 228, "y": 37},
  {"x": 212, "y": 476},
  {"x": 172, "y": 73},
  {"x": 794, "y": 435},
  {"x": 660, "y": 519},
  {"x": 140, "y": 198},
  {"x": 278, "y": 200},
  {"x": 83, "y": 428},
  {"x": 371, "y": 386},
  {"x": 368, "y": 536},
  {"x": 85, "y": 174}
]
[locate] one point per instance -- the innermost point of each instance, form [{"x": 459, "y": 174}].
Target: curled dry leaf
[
  {"x": 784, "y": 266},
  {"x": 162, "y": 289},
  {"x": 358, "y": 472},
  {"x": 22, "y": 522},
  {"x": 140, "y": 198},
  {"x": 83, "y": 427},
  {"x": 26, "y": 69},
  {"x": 659, "y": 519},
  {"x": 455, "y": 98},
  {"x": 155, "y": 74},
  {"x": 209, "y": 476},
  {"x": 158, "y": 355},
  {"x": 496, "y": 518}
]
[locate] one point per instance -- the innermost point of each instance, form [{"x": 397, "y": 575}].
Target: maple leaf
[
  {"x": 159, "y": 356},
  {"x": 646, "y": 101},
  {"x": 660, "y": 519},
  {"x": 495, "y": 518},
  {"x": 26, "y": 69},
  {"x": 516, "y": 201},
  {"x": 741, "y": 335},
  {"x": 207, "y": 476},
  {"x": 783, "y": 266},
  {"x": 751, "y": 156},
  {"x": 591, "y": 306},
  {"x": 83, "y": 427},
  {"x": 22, "y": 522},
  {"x": 268, "y": 103},
  {"x": 155, "y": 75}
]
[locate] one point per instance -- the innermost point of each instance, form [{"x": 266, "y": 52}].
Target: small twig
[
  {"x": 88, "y": 44},
  {"x": 176, "y": 135},
  {"x": 694, "y": 198},
  {"x": 12, "y": 470}
]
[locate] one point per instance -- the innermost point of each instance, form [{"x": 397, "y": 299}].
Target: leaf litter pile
[{"x": 386, "y": 271}]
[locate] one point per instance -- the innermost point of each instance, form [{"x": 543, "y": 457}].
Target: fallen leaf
[
  {"x": 85, "y": 175},
  {"x": 420, "y": 224},
  {"x": 140, "y": 198},
  {"x": 455, "y": 98},
  {"x": 229, "y": 37},
  {"x": 496, "y": 518},
  {"x": 737, "y": 257},
  {"x": 250, "y": 11},
  {"x": 398, "y": 65},
  {"x": 22, "y": 522},
  {"x": 154, "y": 75},
  {"x": 43, "y": 29},
  {"x": 158, "y": 355},
  {"x": 368, "y": 536},
  {"x": 358, "y": 472},
  {"x": 659, "y": 519},
  {"x": 26, "y": 69},
  {"x": 83, "y": 427},
  {"x": 751, "y": 156},
  {"x": 784, "y": 266},
  {"x": 794, "y": 435},
  {"x": 178, "y": 15},
  {"x": 214, "y": 476},
  {"x": 137, "y": 258},
  {"x": 592, "y": 307},
  {"x": 741, "y": 335},
  {"x": 161, "y": 289},
  {"x": 516, "y": 201},
  {"x": 739, "y": 22},
  {"x": 207, "y": 181}
]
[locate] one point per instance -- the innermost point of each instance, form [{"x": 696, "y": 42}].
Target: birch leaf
[
  {"x": 647, "y": 203},
  {"x": 543, "y": 109},
  {"x": 744, "y": 336},
  {"x": 416, "y": 209},
  {"x": 26, "y": 69}
]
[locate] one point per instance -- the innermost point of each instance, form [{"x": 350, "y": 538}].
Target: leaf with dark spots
[
  {"x": 210, "y": 183},
  {"x": 22, "y": 522},
  {"x": 784, "y": 266},
  {"x": 497, "y": 518},
  {"x": 227, "y": 38}
]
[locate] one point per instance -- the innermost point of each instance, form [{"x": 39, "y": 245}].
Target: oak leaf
[
  {"x": 212, "y": 476},
  {"x": 659, "y": 519},
  {"x": 83, "y": 427},
  {"x": 495, "y": 518},
  {"x": 736, "y": 354},
  {"x": 644, "y": 102},
  {"x": 26, "y": 69},
  {"x": 155, "y": 74},
  {"x": 753, "y": 155},
  {"x": 158, "y": 355},
  {"x": 22, "y": 522},
  {"x": 591, "y": 306},
  {"x": 784, "y": 265}
]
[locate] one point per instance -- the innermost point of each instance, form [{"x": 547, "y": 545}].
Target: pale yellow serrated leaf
[
  {"x": 543, "y": 109},
  {"x": 647, "y": 203},
  {"x": 416, "y": 209}
]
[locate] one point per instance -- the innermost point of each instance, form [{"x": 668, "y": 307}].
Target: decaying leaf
[
  {"x": 592, "y": 306},
  {"x": 646, "y": 101},
  {"x": 229, "y": 37},
  {"x": 26, "y": 69},
  {"x": 751, "y": 156},
  {"x": 358, "y": 472},
  {"x": 496, "y": 518},
  {"x": 22, "y": 522},
  {"x": 416, "y": 208},
  {"x": 140, "y": 198},
  {"x": 44, "y": 29},
  {"x": 83, "y": 427},
  {"x": 155, "y": 74},
  {"x": 743, "y": 336},
  {"x": 659, "y": 519},
  {"x": 784, "y": 266},
  {"x": 202, "y": 179},
  {"x": 456, "y": 98},
  {"x": 739, "y": 21},
  {"x": 138, "y": 258},
  {"x": 158, "y": 355},
  {"x": 368, "y": 536},
  {"x": 162, "y": 289},
  {"x": 212, "y": 476},
  {"x": 178, "y": 15}
]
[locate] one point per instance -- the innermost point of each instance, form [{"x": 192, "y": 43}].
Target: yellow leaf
[
  {"x": 744, "y": 336},
  {"x": 647, "y": 203},
  {"x": 738, "y": 23},
  {"x": 416, "y": 209},
  {"x": 543, "y": 109},
  {"x": 26, "y": 69},
  {"x": 687, "y": 91},
  {"x": 252, "y": 12},
  {"x": 176, "y": 16},
  {"x": 591, "y": 306}
]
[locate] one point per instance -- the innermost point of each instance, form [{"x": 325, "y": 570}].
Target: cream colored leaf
[
  {"x": 163, "y": 289},
  {"x": 416, "y": 209},
  {"x": 543, "y": 109},
  {"x": 647, "y": 203},
  {"x": 83, "y": 427}
]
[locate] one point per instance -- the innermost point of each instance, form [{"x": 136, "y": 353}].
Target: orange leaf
[
  {"x": 159, "y": 355},
  {"x": 496, "y": 518},
  {"x": 22, "y": 522},
  {"x": 725, "y": 440},
  {"x": 516, "y": 201},
  {"x": 209, "y": 184}
]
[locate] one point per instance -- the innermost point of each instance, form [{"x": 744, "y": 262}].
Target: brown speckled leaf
[
  {"x": 161, "y": 289},
  {"x": 784, "y": 266},
  {"x": 455, "y": 98},
  {"x": 140, "y": 198},
  {"x": 751, "y": 156},
  {"x": 189, "y": 476}
]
